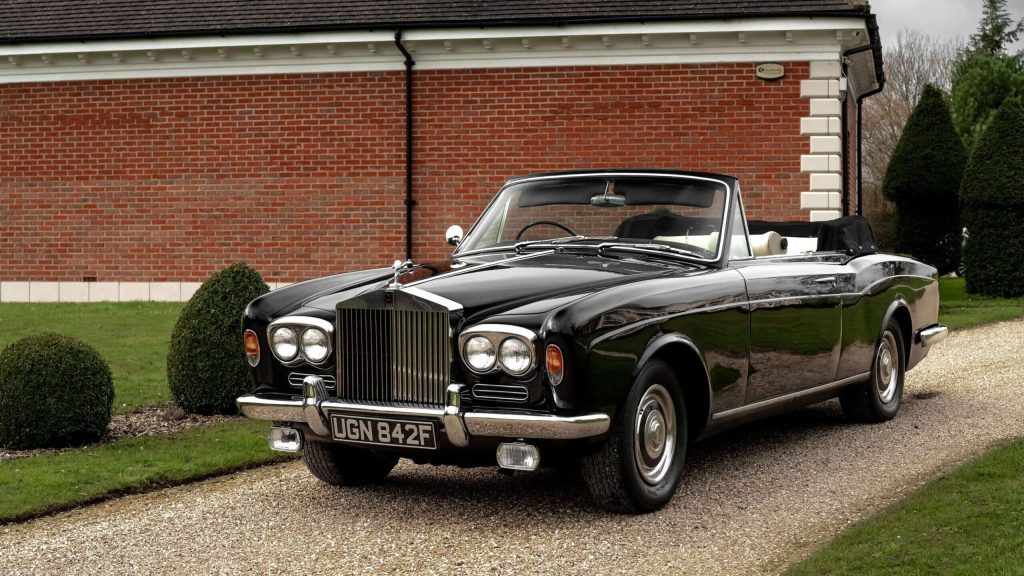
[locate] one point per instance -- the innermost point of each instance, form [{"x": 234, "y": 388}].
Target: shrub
[
  {"x": 993, "y": 206},
  {"x": 54, "y": 391},
  {"x": 206, "y": 368},
  {"x": 923, "y": 180}
]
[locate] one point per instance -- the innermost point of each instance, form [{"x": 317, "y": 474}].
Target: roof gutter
[{"x": 409, "y": 201}]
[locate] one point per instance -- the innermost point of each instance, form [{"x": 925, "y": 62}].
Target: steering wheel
[{"x": 545, "y": 223}]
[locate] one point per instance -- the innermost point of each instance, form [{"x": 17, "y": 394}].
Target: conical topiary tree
[
  {"x": 993, "y": 206},
  {"x": 206, "y": 368},
  {"x": 923, "y": 180}
]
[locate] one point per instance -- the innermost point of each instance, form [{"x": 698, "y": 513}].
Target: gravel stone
[{"x": 752, "y": 500}]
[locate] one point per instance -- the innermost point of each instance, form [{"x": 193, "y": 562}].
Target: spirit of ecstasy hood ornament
[{"x": 399, "y": 268}]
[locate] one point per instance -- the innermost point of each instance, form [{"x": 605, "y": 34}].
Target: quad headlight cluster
[
  {"x": 491, "y": 347},
  {"x": 296, "y": 338}
]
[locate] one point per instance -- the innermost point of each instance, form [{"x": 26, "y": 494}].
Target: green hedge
[
  {"x": 993, "y": 206},
  {"x": 54, "y": 391},
  {"x": 206, "y": 368},
  {"x": 923, "y": 180}
]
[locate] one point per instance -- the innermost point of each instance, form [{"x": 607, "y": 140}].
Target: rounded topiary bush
[
  {"x": 993, "y": 206},
  {"x": 54, "y": 391},
  {"x": 206, "y": 368},
  {"x": 923, "y": 180}
]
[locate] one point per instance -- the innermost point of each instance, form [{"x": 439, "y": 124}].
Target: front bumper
[{"x": 315, "y": 405}]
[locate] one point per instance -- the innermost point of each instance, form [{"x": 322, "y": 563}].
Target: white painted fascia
[
  {"x": 798, "y": 24},
  {"x": 716, "y": 41}
]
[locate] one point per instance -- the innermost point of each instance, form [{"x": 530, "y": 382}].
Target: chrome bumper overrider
[
  {"x": 933, "y": 334},
  {"x": 315, "y": 405}
]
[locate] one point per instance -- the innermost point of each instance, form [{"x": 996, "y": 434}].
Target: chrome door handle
[{"x": 825, "y": 280}]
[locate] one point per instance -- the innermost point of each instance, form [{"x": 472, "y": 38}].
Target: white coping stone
[
  {"x": 820, "y": 163},
  {"x": 14, "y": 291},
  {"x": 826, "y": 107},
  {"x": 826, "y": 182},
  {"x": 103, "y": 292},
  {"x": 133, "y": 291},
  {"x": 826, "y": 145},
  {"x": 165, "y": 291},
  {"x": 73, "y": 291},
  {"x": 824, "y": 215},
  {"x": 43, "y": 292},
  {"x": 188, "y": 289},
  {"x": 826, "y": 69}
]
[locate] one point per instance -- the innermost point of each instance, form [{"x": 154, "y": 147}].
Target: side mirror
[{"x": 454, "y": 235}]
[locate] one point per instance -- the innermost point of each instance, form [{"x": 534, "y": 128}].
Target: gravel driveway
[{"x": 751, "y": 501}]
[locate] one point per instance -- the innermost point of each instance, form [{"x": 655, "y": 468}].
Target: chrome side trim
[
  {"x": 933, "y": 334},
  {"x": 544, "y": 426},
  {"x": 764, "y": 404}
]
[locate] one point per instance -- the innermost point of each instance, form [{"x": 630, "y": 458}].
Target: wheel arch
[
  {"x": 900, "y": 312},
  {"x": 687, "y": 362}
]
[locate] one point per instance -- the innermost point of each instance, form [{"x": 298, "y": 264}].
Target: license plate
[{"x": 384, "y": 431}]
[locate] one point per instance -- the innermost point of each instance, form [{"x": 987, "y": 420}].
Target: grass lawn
[
  {"x": 968, "y": 522},
  {"x": 131, "y": 336},
  {"x": 49, "y": 482},
  {"x": 958, "y": 309}
]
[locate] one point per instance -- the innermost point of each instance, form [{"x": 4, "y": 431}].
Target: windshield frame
[{"x": 727, "y": 206}]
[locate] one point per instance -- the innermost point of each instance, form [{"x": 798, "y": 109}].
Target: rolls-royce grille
[{"x": 393, "y": 356}]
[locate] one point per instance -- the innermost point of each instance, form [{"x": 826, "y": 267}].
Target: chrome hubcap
[
  {"x": 655, "y": 435},
  {"x": 887, "y": 368}
]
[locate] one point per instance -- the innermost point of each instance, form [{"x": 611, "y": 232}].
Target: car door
[{"x": 795, "y": 325}]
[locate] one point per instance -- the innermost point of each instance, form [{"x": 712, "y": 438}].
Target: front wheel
[
  {"x": 638, "y": 467},
  {"x": 879, "y": 398},
  {"x": 343, "y": 465}
]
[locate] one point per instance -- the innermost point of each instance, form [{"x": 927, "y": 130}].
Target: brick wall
[{"x": 302, "y": 175}]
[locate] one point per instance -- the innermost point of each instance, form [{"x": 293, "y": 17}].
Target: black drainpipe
[
  {"x": 860, "y": 127},
  {"x": 409, "y": 202}
]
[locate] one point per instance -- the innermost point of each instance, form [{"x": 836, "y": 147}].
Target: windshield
[{"x": 676, "y": 212}]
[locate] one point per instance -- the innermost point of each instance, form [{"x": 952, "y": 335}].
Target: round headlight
[
  {"x": 285, "y": 343},
  {"x": 514, "y": 355},
  {"x": 314, "y": 345},
  {"x": 479, "y": 353}
]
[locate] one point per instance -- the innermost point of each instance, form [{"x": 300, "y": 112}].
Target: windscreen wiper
[
  {"x": 648, "y": 248},
  {"x": 557, "y": 242}
]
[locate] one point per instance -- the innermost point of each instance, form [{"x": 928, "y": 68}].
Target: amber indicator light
[
  {"x": 554, "y": 364},
  {"x": 252, "y": 348}
]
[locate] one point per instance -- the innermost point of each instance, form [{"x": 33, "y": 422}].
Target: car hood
[{"x": 485, "y": 287}]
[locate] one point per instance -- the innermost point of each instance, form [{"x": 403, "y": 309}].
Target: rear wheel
[
  {"x": 343, "y": 465},
  {"x": 879, "y": 398},
  {"x": 638, "y": 467}
]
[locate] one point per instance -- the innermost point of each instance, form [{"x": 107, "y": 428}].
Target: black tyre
[
  {"x": 878, "y": 399},
  {"x": 638, "y": 467},
  {"x": 342, "y": 465}
]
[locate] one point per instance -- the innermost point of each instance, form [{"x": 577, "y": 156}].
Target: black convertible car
[{"x": 608, "y": 318}]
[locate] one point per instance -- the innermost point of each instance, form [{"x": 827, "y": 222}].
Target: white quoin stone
[
  {"x": 821, "y": 163},
  {"x": 826, "y": 145},
  {"x": 826, "y": 182},
  {"x": 825, "y": 70},
  {"x": 826, "y": 107}
]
